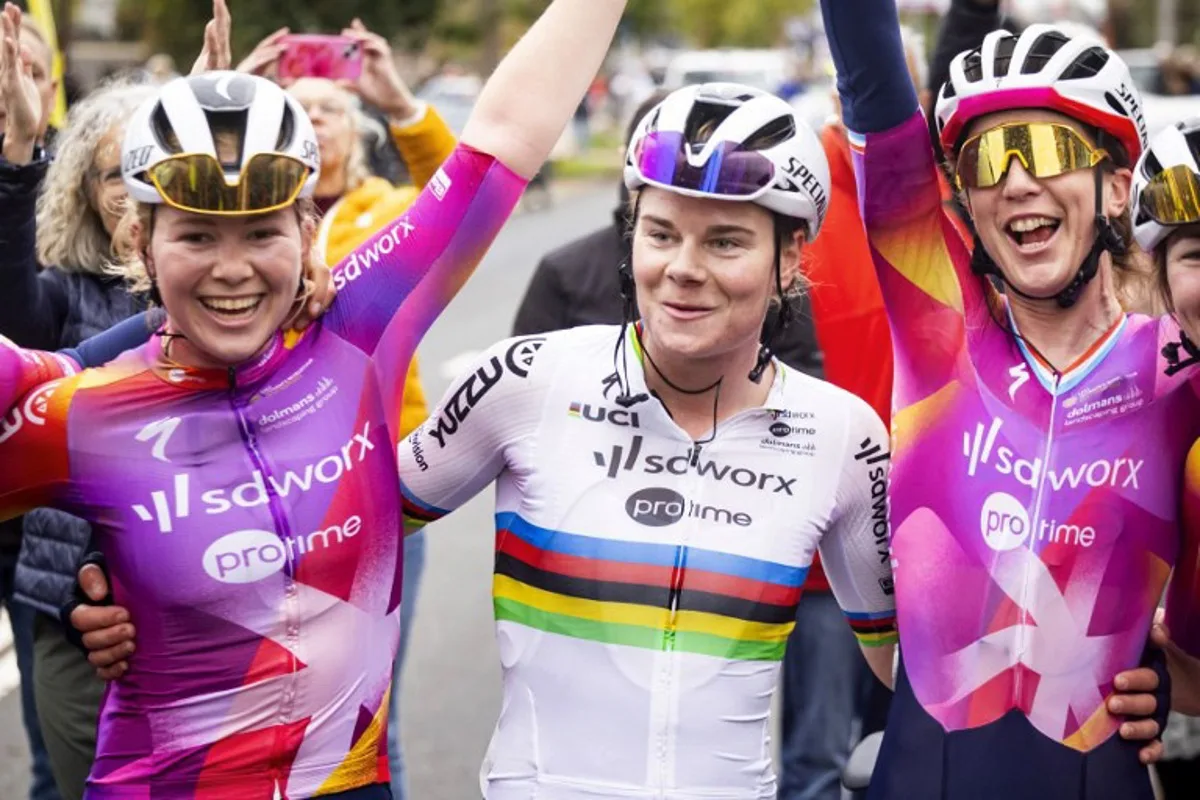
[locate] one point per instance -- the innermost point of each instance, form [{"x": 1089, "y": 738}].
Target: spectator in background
[
  {"x": 69, "y": 231},
  {"x": 577, "y": 285},
  {"x": 354, "y": 204},
  {"x": 25, "y": 125}
]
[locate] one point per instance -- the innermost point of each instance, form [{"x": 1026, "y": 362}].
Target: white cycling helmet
[
  {"x": 1177, "y": 145},
  {"x": 182, "y": 117},
  {"x": 1044, "y": 67},
  {"x": 731, "y": 142}
]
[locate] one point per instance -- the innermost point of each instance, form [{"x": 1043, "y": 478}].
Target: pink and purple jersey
[
  {"x": 1036, "y": 513},
  {"x": 251, "y": 519}
]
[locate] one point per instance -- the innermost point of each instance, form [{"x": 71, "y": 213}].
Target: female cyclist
[
  {"x": 1167, "y": 225},
  {"x": 1035, "y": 489},
  {"x": 662, "y": 488},
  {"x": 263, "y": 566}
]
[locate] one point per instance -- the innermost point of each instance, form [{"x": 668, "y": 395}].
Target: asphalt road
[{"x": 451, "y": 681}]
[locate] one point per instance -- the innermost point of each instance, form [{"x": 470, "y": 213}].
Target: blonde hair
[
  {"x": 70, "y": 230},
  {"x": 132, "y": 237}
]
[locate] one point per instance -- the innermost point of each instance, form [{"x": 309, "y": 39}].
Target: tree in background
[
  {"x": 176, "y": 27},
  {"x": 1134, "y": 23}
]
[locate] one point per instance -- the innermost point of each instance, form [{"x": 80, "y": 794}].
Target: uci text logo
[{"x": 616, "y": 416}]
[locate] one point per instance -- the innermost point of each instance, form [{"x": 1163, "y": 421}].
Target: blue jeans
[
  {"x": 414, "y": 565},
  {"x": 824, "y": 677},
  {"x": 41, "y": 784}
]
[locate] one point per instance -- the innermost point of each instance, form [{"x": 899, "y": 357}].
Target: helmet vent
[
  {"x": 1044, "y": 48},
  {"x": 287, "y": 129},
  {"x": 1004, "y": 52},
  {"x": 164, "y": 134},
  {"x": 773, "y": 134},
  {"x": 973, "y": 67},
  {"x": 705, "y": 118},
  {"x": 1088, "y": 64},
  {"x": 1115, "y": 104},
  {"x": 1151, "y": 166}
]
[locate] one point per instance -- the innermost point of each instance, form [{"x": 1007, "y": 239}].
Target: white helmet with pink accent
[{"x": 1045, "y": 67}]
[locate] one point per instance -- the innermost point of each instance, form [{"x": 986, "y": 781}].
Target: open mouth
[
  {"x": 233, "y": 308},
  {"x": 685, "y": 311},
  {"x": 1032, "y": 233}
]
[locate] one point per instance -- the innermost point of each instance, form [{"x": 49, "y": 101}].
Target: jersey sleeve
[
  {"x": 393, "y": 286},
  {"x": 98, "y": 350},
  {"x": 34, "y": 468},
  {"x": 21, "y": 370},
  {"x": 412, "y": 267},
  {"x": 922, "y": 264},
  {"x": 854, "y": 551},
  {"x": 474, "y": 433},
  {"x": 1183, "y": 594}
]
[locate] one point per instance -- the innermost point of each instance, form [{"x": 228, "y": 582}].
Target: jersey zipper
[
  {"x": 291, "y": 611},
  {"x": 1034, "y": 525}
]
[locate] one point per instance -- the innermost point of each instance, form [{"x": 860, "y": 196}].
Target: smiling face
[
  {"x": 704, "y": 271},
  {"x": 1038, "y": 231},
  {"x": 1182, "y": 260},
  {"x": 228, "y": 283}
]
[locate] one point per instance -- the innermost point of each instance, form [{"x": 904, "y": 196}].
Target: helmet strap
[
  {"x": 1107, "y": 239},
  {"x": 626, "y": 398},
  {"x": 782, "y": 319}
]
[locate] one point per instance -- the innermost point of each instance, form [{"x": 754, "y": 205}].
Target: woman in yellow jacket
[{"x": 354, "y": 205}]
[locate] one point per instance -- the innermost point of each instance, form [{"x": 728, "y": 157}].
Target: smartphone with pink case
[{"x": 320, "y": 56}]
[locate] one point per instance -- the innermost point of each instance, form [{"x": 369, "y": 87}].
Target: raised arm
[
  {"x": 855, "y": 551},
  {"x": 395, "y": 285},
  {"x": 921, "y": 262},
  {"x": 534, "y": 92}
]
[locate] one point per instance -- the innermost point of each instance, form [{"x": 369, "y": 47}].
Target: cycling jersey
[
  {"x": 644, "y": 585},
  {"x": 1035, "y": 514},
  {"x": 251, "y": 520}
]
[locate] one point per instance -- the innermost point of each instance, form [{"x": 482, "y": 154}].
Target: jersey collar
[
  {"x": 1079, "y": 369},
  {"x": 212, "y": 378},
  {"x": 637, "y": 377}
]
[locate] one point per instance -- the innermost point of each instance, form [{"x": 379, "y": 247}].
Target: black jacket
[
  {"x": 577, "y": 285},
  {"x": 47, "y": 309}
]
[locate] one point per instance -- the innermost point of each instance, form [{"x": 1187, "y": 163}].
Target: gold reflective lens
[
  {"x": 1173, "y": 196},
  {"x": 1045, "y": 150},
  {"x": 196, "y": 182}
]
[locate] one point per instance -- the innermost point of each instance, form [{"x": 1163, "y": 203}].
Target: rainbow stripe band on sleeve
[
  {"x": 417, "y": 513},
  {"x": 873, "y": 629}
]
